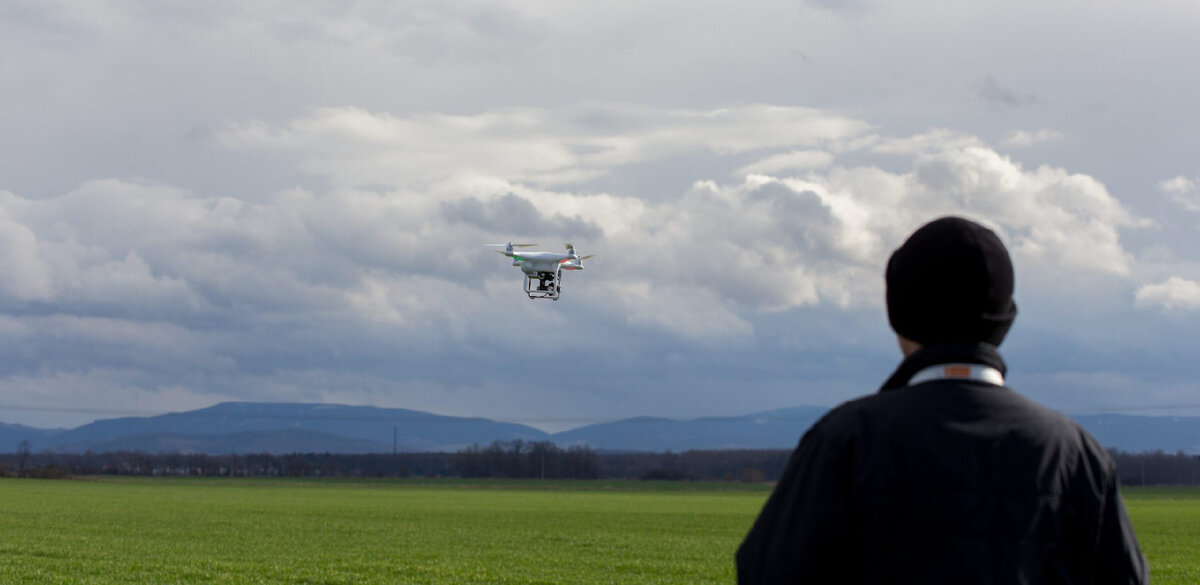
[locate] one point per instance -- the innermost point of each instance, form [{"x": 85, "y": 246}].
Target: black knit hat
[{"x": 952, "y": 280}]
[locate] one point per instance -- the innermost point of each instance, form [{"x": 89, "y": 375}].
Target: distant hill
[
  {"x": 250, "y": 427},
  {"x": 346, "y": 428},
  {"x": 11, "y": 435},
  {"x": 771, "y": 429},
  {"x": 782, "y": 429},
  {"x": 1144, "y": 433},
  {"x": 278, "y": 442}
]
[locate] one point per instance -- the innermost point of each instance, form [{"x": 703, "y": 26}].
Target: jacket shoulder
[{"x": 957, "y": 416}]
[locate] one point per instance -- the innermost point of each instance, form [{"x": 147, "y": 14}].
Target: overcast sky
[{"x": 287, "y": 201}]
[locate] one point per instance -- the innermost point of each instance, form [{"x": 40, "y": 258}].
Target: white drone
[{"x": 544, "y": 267}]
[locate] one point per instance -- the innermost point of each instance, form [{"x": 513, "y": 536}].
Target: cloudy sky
[{"x": 286, "y": 201}]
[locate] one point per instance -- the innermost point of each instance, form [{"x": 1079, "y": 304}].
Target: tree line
[
  {"x": 501, "y": 459},
  {"x": 527, "y": 459},
  {"x": 511, "y": 459},
  {"x": 1157, "y": 468}
]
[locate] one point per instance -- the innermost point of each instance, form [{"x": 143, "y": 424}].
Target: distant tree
[
  {"x": 752, "y": 475},
  {"x": 24, "y": 450},
  {"x": 524, "y": 459},
  {"x": 49, "y": 472},
  {"x": 666, "y": 475}
]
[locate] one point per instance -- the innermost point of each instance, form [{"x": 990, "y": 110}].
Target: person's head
[{"x": 951, "y": 281}]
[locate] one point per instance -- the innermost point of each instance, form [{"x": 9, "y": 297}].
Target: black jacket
[{"x": 946, "y": 481}]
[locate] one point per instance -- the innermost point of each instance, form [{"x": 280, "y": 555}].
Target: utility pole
[{"x": 395, "y": 451}]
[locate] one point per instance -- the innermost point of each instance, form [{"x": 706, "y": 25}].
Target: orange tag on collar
[{"x": 957, "y": 371}]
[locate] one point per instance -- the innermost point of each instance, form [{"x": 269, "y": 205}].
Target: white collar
[{"x": 977, "y": 372}]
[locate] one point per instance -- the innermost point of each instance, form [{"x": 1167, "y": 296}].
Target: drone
[{"x": 544, "y": 268}]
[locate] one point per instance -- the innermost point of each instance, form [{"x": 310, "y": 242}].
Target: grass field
[
  {"x": 284, "y": 531},
  {"x": 1167, "y": 521},
  {"x": 115, "y": 530}
]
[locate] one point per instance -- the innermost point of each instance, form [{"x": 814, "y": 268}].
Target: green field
[
  {"x": 115, "y": 530},
  {"x": 1167, "y": 521}
]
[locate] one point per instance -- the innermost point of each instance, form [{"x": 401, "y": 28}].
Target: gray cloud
[
  {"x": 842, "y": 6},
  {"x": 382, "y": 287},
  {"x": 991, "y": 92},
  {"x": 517, "y": 216}
]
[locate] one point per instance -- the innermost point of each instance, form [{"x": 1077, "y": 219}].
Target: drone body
[{"x": 543, "y": 270}]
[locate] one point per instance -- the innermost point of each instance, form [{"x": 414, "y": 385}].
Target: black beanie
[{"x": 951, "y": 281}]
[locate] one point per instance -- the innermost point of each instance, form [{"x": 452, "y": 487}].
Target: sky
[{"x": 287, "y": 201}]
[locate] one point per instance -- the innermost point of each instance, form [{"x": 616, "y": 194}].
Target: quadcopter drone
[{"x": 543, "y": 267}]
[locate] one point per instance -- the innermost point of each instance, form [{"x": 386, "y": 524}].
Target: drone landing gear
[{"x": 549, "y": 285}]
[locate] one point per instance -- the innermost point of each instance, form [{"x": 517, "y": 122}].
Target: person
[{"x": 945, "y": 475}]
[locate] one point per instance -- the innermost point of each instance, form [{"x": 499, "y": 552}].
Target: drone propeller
[
  {"x": 575, "y": 262},
  {"x": 513, "y": 245}
]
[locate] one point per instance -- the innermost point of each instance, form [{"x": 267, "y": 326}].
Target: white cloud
[
  {"x": 1179, "y": 185},
  {"x": 1026, "y": 138},
  {"x": 798, "y": 160},
  {"x": 1173, "y": 294},
  {"x": 401, "y": 256},
  {"x": 767, "y": 243},
  {"x": 938, "y": 140},
  {"x": 1183, "y": 191},
  {"x": 531, "y": 145},
  {"x": 26, "y": 276},
  {"x": 1052, "y": 217},
  {"x": 694, "y": 314},
  {"x": 379, "y": 269}
]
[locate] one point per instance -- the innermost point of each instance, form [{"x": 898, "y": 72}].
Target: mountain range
[{"x": 253, "y": 427}]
